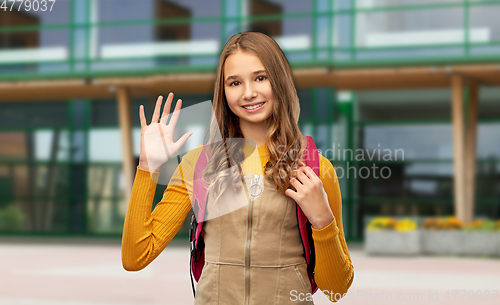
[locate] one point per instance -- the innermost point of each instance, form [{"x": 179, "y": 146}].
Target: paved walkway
[{"x": 90, "y": 273}]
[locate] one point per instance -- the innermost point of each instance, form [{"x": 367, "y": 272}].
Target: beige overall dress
[{"x": 254, "y": 254}]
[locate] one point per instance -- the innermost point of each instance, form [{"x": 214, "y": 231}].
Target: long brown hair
[{"x": 283, "y": 136}]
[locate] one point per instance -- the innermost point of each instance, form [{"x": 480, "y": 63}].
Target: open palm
[{"x": 157, "y": 143}]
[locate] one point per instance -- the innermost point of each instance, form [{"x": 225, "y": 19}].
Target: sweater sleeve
[
  {"x": 146, "y": 233},
  {"x": 334, "y": 271}
]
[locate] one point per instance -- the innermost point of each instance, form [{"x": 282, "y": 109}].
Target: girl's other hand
[
  {"x": 157, "y": 145},
  {"x": 307, "y": 190}
]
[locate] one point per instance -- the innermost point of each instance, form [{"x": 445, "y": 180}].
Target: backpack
[{"x": 196, "y": 233}]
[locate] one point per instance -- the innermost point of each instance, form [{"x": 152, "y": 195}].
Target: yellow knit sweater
[{"x": 146, "y": 233}]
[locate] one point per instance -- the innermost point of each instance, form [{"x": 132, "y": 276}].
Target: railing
[{"x": 336, "y": 33}]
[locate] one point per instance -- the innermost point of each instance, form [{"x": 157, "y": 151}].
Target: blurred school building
[{"x": 401, "y": 95}]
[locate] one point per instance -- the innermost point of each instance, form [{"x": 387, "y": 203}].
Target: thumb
[{"x": 184, "y": 138}]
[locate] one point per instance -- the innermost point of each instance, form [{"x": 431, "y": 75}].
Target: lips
[
  {"x": 252, "y": 104},
  {"x": 256, "y": 107}
]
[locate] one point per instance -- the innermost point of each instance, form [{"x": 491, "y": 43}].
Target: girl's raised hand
[{"x": 157, "y": 145}]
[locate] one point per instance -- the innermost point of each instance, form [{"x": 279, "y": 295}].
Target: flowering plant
[
  {"x": 406, "y": 224},
  {"x": 384, "y": 223},
  {"x": 446, "y": 223},
  {"x": 483, "y": 225},
  {"x": 387, "y": 223}
]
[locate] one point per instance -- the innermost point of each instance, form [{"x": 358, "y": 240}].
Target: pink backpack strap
[
  {"x": 311, "y": 159},
  {"x": 200, "y": 189}
]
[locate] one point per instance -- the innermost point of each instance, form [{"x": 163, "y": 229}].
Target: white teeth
[{"x": 254, "y": 106}]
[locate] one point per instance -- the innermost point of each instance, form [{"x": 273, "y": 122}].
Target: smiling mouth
[{"x": 253, "y": 106}]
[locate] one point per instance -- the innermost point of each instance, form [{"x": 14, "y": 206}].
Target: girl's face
[{"x": 248, "y": 90}]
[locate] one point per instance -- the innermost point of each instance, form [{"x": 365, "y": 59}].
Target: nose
[{"x": 250, "y": 92}]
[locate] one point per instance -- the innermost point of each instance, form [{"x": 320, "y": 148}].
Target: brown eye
[
  {"x": 232, "y": 84},
  {"x": 261, "y": 78}
]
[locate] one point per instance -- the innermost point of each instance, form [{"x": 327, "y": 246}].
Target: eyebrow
[{"x": 235, "y": 76}]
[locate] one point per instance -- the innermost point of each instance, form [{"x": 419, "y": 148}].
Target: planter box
[
  {"x": 442, "y": 242},
  {"x": 481, "y": 243},
  {"x": 388, "y": 242}
]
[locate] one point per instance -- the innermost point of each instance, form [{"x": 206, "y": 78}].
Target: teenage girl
[{"x": 254, "y": 254}]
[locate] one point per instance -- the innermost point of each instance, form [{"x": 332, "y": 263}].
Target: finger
[
  {"x": 183, "y": 139},
  {"x": 296, "y": 184},
  {"x": 310, "y": 173},
  {"x": 142, "y": 117},
  {"x": 175, "y": 115},
  {"x": 166, "y": 109},
  {"x": 156, "y": 113},
  {"x": 290, "y": 193},
  {"x": 295, "y": 181},
  {"x": 306, "y": 172},
  {"x": 302, "y": 177}
]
